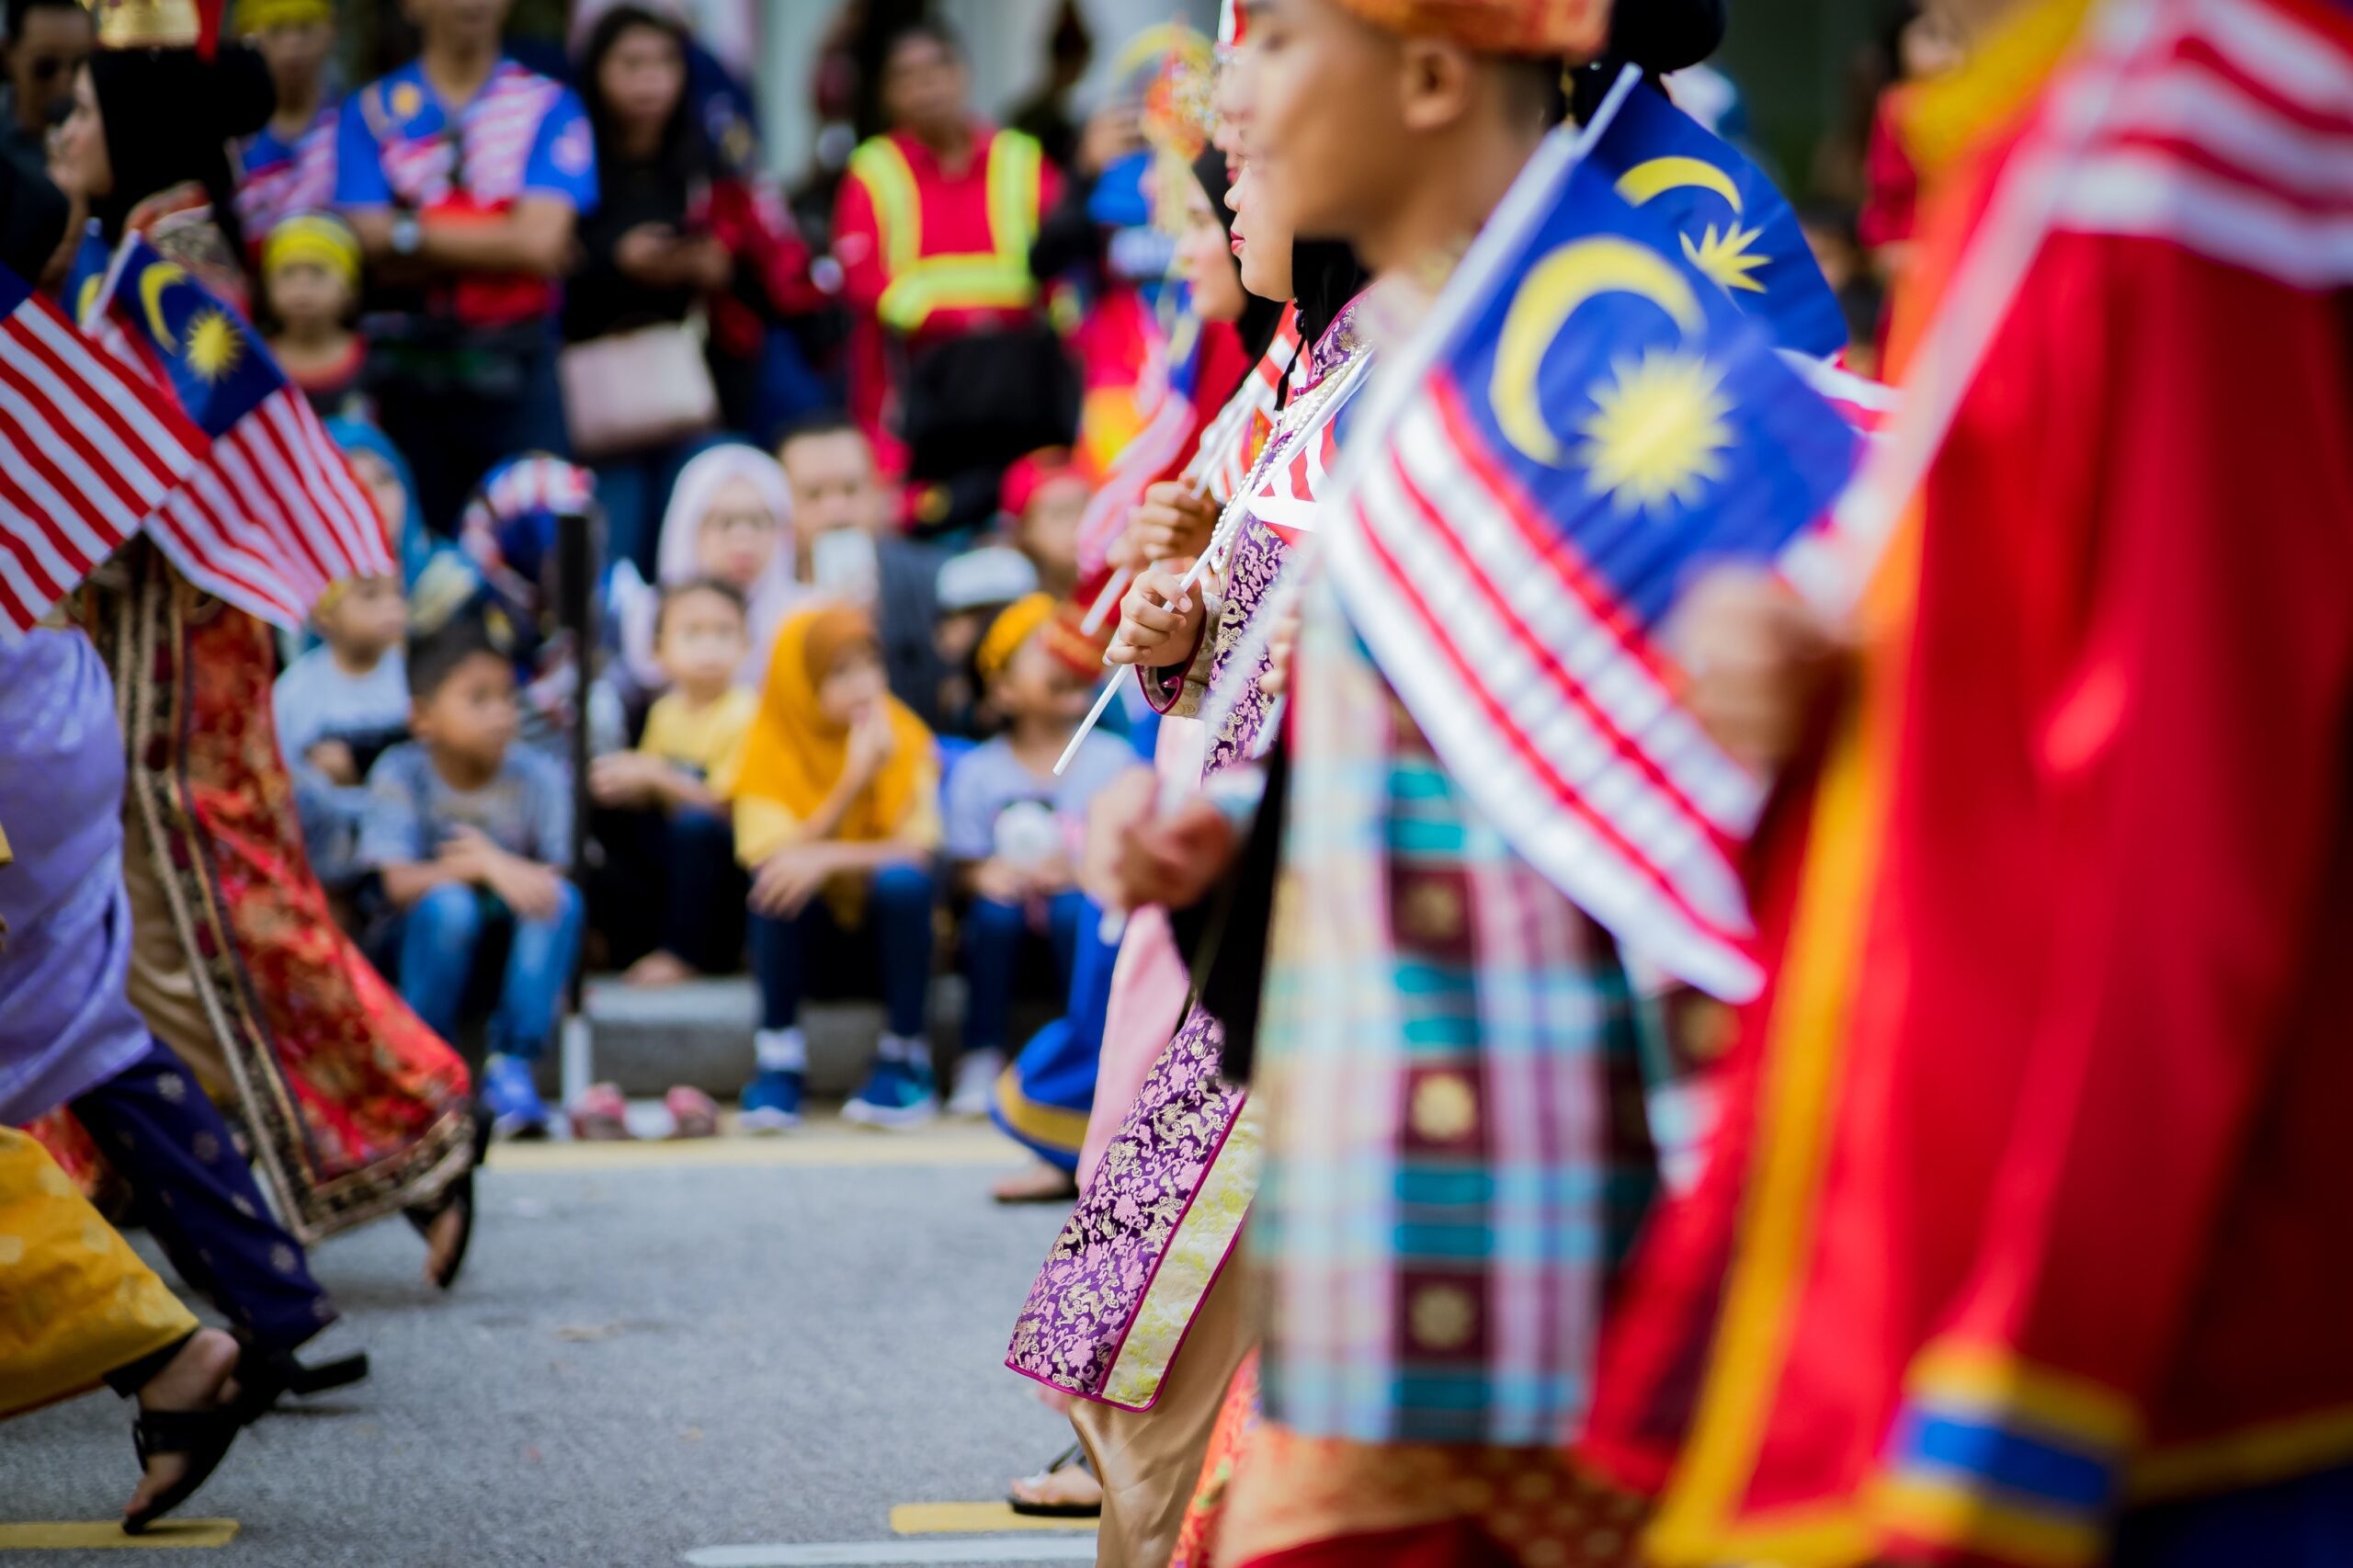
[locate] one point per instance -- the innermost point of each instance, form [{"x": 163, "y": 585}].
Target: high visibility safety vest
[{"x": 996, "y": 279}]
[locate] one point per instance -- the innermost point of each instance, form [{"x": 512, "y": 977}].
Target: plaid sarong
[{"x": 1455, "y": 1147}]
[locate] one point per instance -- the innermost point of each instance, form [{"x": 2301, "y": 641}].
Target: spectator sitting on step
[
  {"x": 471, "y": 835},
  {"x": 336, "y": 708},
  {"x": 670, "y": 853},
  {"x": 837, "y": 815},
  {"x": 973, "y": 589},
  {"x": 850, "y": 549},
  {"x": 1010, "y": 826},
  {"x": 1045, "y": 495}
]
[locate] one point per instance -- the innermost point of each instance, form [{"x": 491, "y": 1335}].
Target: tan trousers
[{"x": 1149, "y": 1460}]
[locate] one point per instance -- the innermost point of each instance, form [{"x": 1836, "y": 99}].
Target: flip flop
[
  {"x": 458, "y": 1194},
  {"x": 1073, "y": 1458}
]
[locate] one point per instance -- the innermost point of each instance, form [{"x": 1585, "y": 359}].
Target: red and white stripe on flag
[
  {"x": 272, "y": 514},
  {"x": 91, "y": 450},
  {"x": 1224, "y": 453},
  {"x": 1146, "y": 456},
  {"x": 1528, "y": 676}
]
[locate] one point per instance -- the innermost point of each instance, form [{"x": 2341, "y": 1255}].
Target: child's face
[
  {"x": 472, "y": 715},
  {"x": 1036, "y": 684},
  {"x": 302, "y": 294},
  {"x": 1049, "y": 528},
  {"x": 296, "y": 52},
  {"x": 703, "y": 642},
  {"x": 366, "y": 620},
  {"x": 385, "y": 489},
  {"x": 852, "y": 688},
  {"x": 737, "y": 537}
]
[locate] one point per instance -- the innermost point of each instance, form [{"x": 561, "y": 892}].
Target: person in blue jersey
[
  {"x": 464, "y": 174},
  {"x": 287, "y": 168}
]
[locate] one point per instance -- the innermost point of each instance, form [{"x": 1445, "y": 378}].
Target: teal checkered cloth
[{"x": 1456, "y": 1151}]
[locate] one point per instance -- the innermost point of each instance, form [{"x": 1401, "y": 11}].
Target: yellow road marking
[
  {"x": 847, "y": 1146},
  {"x": 84, "y": 1535},
  {"x": 971, "y": 1518}
]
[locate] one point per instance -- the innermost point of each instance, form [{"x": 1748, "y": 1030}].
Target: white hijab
[{"x": 772, "y": 598}]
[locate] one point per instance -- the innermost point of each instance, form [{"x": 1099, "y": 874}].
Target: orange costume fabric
[
  {"x": 354, "y": 1109},
  {"x": 2031, "y": 1208}
]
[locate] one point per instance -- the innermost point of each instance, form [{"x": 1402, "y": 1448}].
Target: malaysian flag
[
  {"x": 1589, "y": 422},
  {"x": 272, "y": 514},
  {"x": 1144, "y": 458},
  {"x": 1732, "y": 222},
  {"x": 91, "y": 451}
]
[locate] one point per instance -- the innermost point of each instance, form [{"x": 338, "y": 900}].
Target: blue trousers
[
  {"x": 995, "y": 934},
  {"x": 898, "y": 925},
  {"x": 439, "y": 936},
  {"x": 195, "y": 1194}
]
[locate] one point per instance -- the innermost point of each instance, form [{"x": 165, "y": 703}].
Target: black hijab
[
  {"x": 169, "y": 116},
  {"x": 1259, "y": 317}
]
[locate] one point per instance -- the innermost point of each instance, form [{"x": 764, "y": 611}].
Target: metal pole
[{"x": 575, "y": 579}]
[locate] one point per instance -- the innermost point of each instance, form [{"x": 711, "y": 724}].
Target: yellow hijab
[{"x": 794, "y": 754}]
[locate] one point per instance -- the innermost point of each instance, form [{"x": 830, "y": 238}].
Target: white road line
[{"x": 862, "y": 1553}]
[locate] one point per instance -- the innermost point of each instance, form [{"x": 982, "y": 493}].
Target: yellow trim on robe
[
  {"x": 1203, "y": 1240},
  {"x": 1053, "y": 1126},
  {"x": 1947, "y": 115},
  {"x": 75, "y": 1302},
  {"x": 1948, "y": 1515},
  {"x": 1979, "y": 1381}
]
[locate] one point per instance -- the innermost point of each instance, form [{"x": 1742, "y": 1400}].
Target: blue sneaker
[
  {"x": 895, "y": 1093},
  {"x": 771, "y": 1101},
  {"x": 513, "y": 1101}
]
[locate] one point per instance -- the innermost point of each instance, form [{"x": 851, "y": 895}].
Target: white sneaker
[{"x": 976, "y": 1075}]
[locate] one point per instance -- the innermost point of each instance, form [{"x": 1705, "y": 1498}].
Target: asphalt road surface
[{"x": 732, "y": 1355}]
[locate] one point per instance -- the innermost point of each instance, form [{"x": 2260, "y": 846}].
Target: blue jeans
[
  {"x": 994, "y": 936},
  {"x": 440, "y": 935},
  {"x": 898, "y": 922}
]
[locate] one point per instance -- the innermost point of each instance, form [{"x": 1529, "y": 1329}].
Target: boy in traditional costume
[{"x": 2026, "y": 1241}]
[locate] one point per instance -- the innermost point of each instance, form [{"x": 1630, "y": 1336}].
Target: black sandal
[
  {"x": 201, "y": 1437},
  {"x": 459, "y": 1195},
  {"x": 1073, "y": 1458},
  {"x": 265, "y": 1377}
]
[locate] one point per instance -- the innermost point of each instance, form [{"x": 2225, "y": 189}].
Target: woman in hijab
[
  {"x": 729, "y": 520},
  {"x": 384, "y": 473},
  {"x": 354, "y": 1108}
]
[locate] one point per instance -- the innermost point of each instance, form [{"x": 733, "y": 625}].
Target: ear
[{"x": 1438, "y": 82}]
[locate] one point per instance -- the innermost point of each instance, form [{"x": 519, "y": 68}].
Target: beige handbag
[{"x": 634, "y": 390}]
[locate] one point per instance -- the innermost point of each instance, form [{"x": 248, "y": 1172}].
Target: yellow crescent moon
[
  {"x": 153, "y": 278},
  {"x": 1654, "y": 176},
  {"x": 1551, "y": 293}
]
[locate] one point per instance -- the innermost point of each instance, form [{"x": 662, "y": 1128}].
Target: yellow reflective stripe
[
  {"x": 898, "y": 211},
  {"x": 1015, "y": 161},
  {"x": 951, "y": 282},
  {"x": 996, "y": 279}
]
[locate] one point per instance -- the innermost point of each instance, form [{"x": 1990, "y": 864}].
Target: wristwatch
[{"x": 408, "y": 234}]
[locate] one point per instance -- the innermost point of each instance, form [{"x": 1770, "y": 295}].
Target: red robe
[{"x": 2038, "y": 1203}]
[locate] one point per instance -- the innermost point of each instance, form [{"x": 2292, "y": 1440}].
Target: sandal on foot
[
  {"x": 693, "y": 1114},
  {"x": 200, "y": 1437},
  {"x": 458, "y": 1195},
  {"x": 1072, "y": 1459},
  {"x": 265, "y": 1377}
]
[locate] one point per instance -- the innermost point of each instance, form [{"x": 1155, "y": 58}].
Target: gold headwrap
[
  {"x": 261, "y": 16},
  {"x": 147, "y": 24},
  {"x": 314, "y": 238},
  {"x": 1017, "y": 624},
  {"x": 1538, "y": 28}
]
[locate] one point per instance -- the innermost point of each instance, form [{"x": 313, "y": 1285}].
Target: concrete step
[{"x": 647, "y": 1039}]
